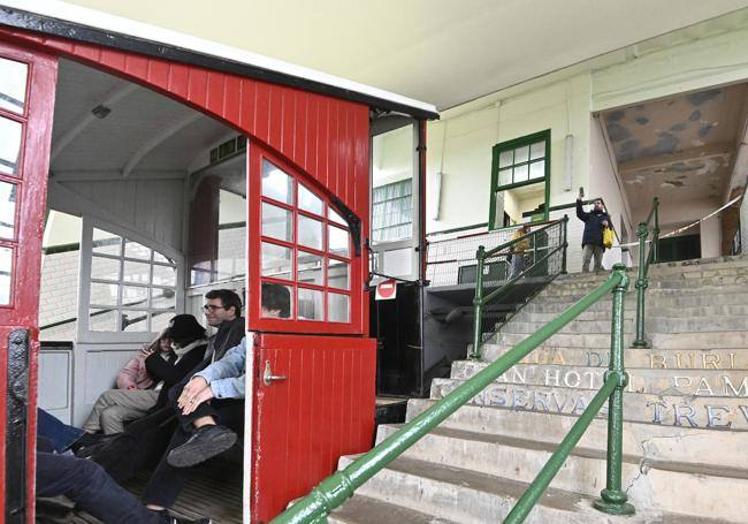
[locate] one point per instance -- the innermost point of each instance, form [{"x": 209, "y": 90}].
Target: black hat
[{"x": 184, "y": 329}]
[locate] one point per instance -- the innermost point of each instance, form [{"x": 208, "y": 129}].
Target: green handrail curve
[
  {"x": 645, "y": 258},
  {"x": 481, "y": 255},
  {"x": 337, "y": 488}
]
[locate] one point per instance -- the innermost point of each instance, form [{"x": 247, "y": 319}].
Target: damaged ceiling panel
[{"x": 678, "y": 149}]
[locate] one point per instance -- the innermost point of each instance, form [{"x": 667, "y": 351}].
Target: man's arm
[
  {"x": 581, "y": 215},
  {"x": 228, "y": 387},
  {"x": 230, "y": 366}
]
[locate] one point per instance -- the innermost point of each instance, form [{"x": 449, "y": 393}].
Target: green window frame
[{"x": 515, "y": 163}]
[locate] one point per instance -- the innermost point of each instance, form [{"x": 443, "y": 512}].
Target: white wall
[{"x": 711, "y": 238}]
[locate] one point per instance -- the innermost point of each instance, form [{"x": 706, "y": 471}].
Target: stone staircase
[{"x": 685, "y": 411}]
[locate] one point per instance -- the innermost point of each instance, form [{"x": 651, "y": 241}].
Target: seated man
[{"x": 210, "y": 409}]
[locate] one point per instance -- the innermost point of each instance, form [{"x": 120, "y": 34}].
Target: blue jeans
[{"x": 60, "y": 434}]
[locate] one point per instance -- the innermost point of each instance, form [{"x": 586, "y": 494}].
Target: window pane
[
  {"x": 104, "y": 294},
  {"x": 102, "y": 319},
  {"x": 505, "y": 158},
  {"x": 10, "y": 145},
  {"x": 105, "y": 268},
  {"x": 505, "y": 177},
  {"x": 7, "y": 209},
  {"x": 281, "y": 305},
  {"x": 137, "y": 272},
  {"x": 163, "y": 298},
  {"x": 165, "y": 276},
  {"x": 338, "y": 308},
  {"x": 309, "y": 269},
  {"x": 135, "y": 321},
  {"x": 276, "y": 261},
  {"x": 13, "y": 85},
  {"x": 6, "y": 265},
  {"x": 276, "y": 222},
  {"x": 338, "y": 274},
  {"x": 276, "y": 184},
  {"x": 521, "y": 154},
  {"x": 158, "y": 257},
  {"x": 520, "y": 173},
  {"x": 231, "y": 262},
  {"x": 338, "y": 241},
  {"x": 308, "y": 201},
  {"x": 537, "y": 150},
  {"x": 335, "y": 217},
  {"x": 106, "y": 242},
  {"x": 310, "y": 232},
  {"x": 135, "y": 250},
  {"x": 537, "y": 169},
  {"x": 310, "y": 304},
  {"x": 134, "y": 296},
  {"x": 160, "y": 320}
]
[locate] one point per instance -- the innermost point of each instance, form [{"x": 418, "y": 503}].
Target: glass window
[
  {"x": 135, "y": 250},
  {"x": 521, "y": 163},
  {"x": 506, "y": 158},
  {"x": 158, "y": 257},
  {"x": 335, "y": 217},
  {"x": 106, "y": 243},
  {"x": 160, "y": 320},
  {"x": 102, "y": 319},
  {"x": 276, "y": 184},
  {"x": 104, "y": 294},
  {"x": 164, "y": 275},
  {"x": 537, "y": 150},
  {"x": 537, "y": 169},
  {"x": 13, "y": 85},
  {"x": 310, "y": 304},
  {"x": 392, "y": 211},
  {"x": 10, "y": 145},
  {"x": 520, "y": 173},
  {"x": 276, "y": 261},
  {"x": 277, "y": 222},
  {"x": 7, "y": 209},
  {"x": 338, "y": 308},
  {"x": 134, "y": 321},
  {"x": 105, "y": 268},
  {"x": 521, "y": 154},
  {"x": 163, "y": 299},
  {"x": 282, "y": 295},
  {"x": 505, "y": 177},
  {"x": 310, "y": 232},
  {"x": 338, "y": 274},
  {"x": 337, "y": 240},
  {"x": 308, "y": 201},
  {"x": 310, "y": 269},
  {"x": 6, "y": 266},
  {"x": 137, "y": 272},
  {"x": 134, "y": 296}
]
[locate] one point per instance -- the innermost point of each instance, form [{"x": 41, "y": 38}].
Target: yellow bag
[{"x": 607, "y": 237}]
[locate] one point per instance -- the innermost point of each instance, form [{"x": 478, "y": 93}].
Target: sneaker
[
  {"x": 205, "y": 443},
  {"x": 167, "y": 518}
]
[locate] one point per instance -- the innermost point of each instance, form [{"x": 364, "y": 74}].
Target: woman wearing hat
[{"x": 167, "y": 360}]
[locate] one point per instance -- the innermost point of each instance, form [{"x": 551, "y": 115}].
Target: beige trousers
[{"x": 117, "y": 406}]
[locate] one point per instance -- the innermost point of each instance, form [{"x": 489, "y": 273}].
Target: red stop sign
[{"x": 386, "y": 290}]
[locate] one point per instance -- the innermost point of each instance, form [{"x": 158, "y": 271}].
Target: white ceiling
[{"x": 444, "y": 52}]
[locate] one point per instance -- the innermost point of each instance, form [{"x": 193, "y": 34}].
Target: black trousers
[
  {"x": 167, "y": 482},
  {"x": 90, "y": 487}
]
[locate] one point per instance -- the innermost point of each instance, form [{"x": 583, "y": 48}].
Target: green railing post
[
  {"x": 641, "y": 286},
  {"x": 565, "y": 243},
  {"x": 656, "y": 233},
  {"x": 480, "y": 256},
  {"x": 613, "y": 499}
]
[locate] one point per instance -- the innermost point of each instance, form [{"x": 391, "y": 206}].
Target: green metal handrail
[
  {"x": 481, "y": 300},
  {"x": 337, "y": 488},
  {"x": 645, "y": 258}
]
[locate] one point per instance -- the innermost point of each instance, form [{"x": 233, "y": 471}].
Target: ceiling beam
[
  {"x": 157, "y": 140},
  {"x": 114, "y": 175},
  {"x": 632, "y": 166},
  {"x": 112, "y": 98}
]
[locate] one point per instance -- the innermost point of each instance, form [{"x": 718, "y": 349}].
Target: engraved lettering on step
[
  {"x": 497, "y": 396},
  {"x": 594, "y": 359},
  {"x": 659, "y": 406},
  {"x": 684, "y": 411},
  {"x": 678, "y": 379},
  {"x": 714, "y": 418},
  {"x": 572, "y": 379},
  {"x": 540, "y": 400},
  {"x": 704, "y": 388},
  {"x": 732, "y": 360},
  {"x": 742, "y": 391},
  {"x": 559, "y": 407},
  {"x": 591, "y": 375},
  {"x": 552, "y": 381},
  {"x": 710, "y": 360},
  {"x": 579, "y": 406},
  {"x": 744, "y": 411},
  {"x": 657, "y": 361},
  {"x": 519, "y": 399},
  {"x": 518, "y": 376}
]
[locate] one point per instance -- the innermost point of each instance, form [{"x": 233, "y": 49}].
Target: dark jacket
[
  {"x": 229, "y": 334},
  {"x": 170, "y": 373},
  {"x": 593, "y": 225}
]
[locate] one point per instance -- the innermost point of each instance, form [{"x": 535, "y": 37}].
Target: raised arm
[{"x": 581, "y": 214}]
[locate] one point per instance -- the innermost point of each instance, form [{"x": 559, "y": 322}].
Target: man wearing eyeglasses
[{"x": 223, "y": 310}]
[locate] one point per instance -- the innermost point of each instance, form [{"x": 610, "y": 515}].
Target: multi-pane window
[
  {"x": 392, "y": 211},
  {"x": 13, "y": 118},
  {"x": 133, "y": 287},
  {"x": 522, "y": 164},
  {"x": 305, "y": 248}
]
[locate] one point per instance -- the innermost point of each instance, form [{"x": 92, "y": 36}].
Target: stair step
[
  {"x": 654, "y": 442},
  {"x": 716, "y": 413},
  {"x": 683, "y": 341},
  {"x": 366, "y": 510}
]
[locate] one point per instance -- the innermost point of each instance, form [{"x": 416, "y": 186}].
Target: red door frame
[
  {"x": 326, "y": 141},
  {"x": 22, "y": 313}
]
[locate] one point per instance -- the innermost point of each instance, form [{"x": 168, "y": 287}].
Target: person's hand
[
  {"x": 190, "y": 392},
  {"x": 204, "y": 395},
  {"x": 605, "y": 223},
  {"x": 146, "y": 350},
  {"x": 131, "y": 387}
]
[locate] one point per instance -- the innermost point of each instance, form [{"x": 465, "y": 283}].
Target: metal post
[
  {"x": 613, "y": 499},
  {"x": 641, "y": 285},
  {"x": 478, "y": 303},
  {"x": 565, "y": 244},
  {"x": 656, "y": 234}
]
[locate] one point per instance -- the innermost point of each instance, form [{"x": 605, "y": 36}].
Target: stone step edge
[
  {"x": 664, "y": 371},
  {"x": 355, "y": 509}
]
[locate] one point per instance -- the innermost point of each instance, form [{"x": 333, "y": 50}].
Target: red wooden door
[
  {"x": 27, "y": 88},
  {"x": 314, "y": 401}
]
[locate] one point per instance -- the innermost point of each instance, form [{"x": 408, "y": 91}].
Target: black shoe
[
  {"x": 168, "y": 518},
  {"x": 205, "y": 443}
]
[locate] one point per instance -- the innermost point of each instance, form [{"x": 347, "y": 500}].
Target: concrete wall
[{"x": 711, "y": 238}]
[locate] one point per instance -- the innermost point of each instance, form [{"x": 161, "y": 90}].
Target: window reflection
[
  {"x": 310, "y": 304},
  {"x": 276, "y": 261},
  {"x": 338, "y": 307},
  {"x": 10, "y": 145},
  {"x": 7, "y": 209},
  {"x": 276, "y": 184},
  {"x": 13, "y": 85},
  {"x": 310, "y": 268},
  {"x": 310, "y": 232},
  {"x": 308, "y": 201},
  {"x": 6, "y": 266}
]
